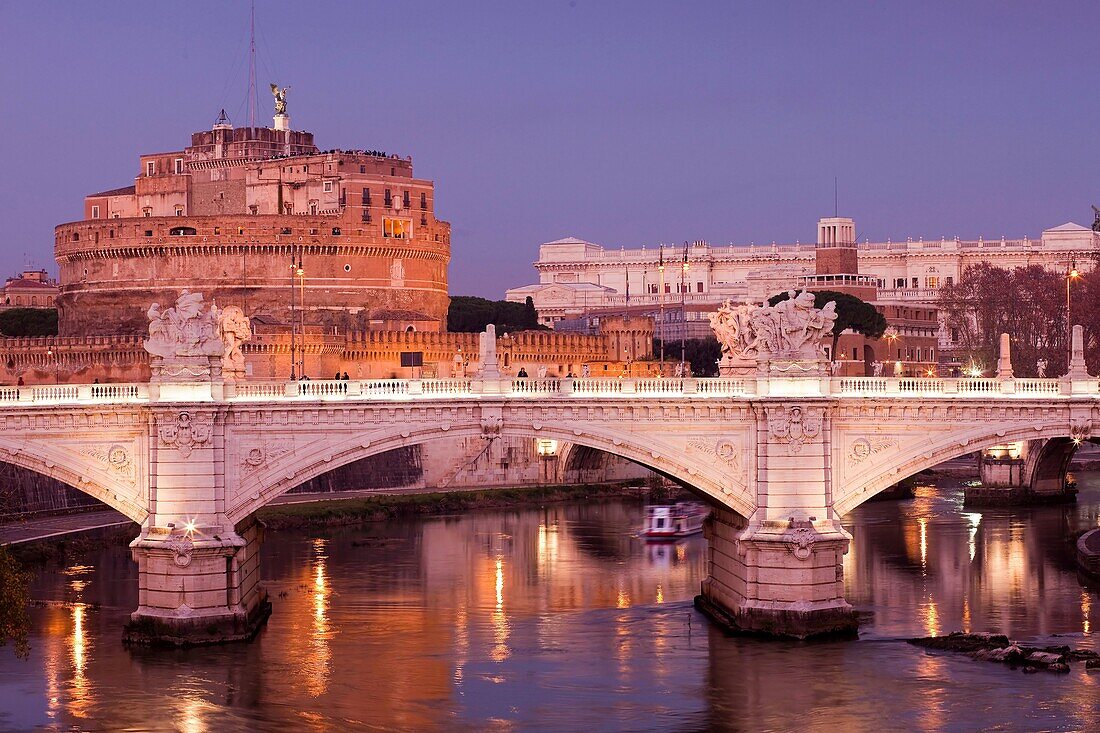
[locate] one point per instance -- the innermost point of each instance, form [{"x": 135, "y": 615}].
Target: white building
[{"x": 576, "y": 277}]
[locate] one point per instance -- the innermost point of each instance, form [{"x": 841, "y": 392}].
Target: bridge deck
[{"x": 594, "y": 387}]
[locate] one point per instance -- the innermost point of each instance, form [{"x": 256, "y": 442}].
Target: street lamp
[
  {"x": 1072, "y": 275},
  {"x": 683, "y": 311},
  {"x": 302, "y": 313}
]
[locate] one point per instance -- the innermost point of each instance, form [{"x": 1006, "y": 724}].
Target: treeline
[
  {"x": 1027, "y": 303},
  {"x": 469, "y": 314},
  {"x": 21, "y": 322}
]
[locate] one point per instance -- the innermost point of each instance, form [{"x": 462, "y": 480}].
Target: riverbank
[
  {"x": 362, "y": 510},
  {"x": 334, "y": 510}
]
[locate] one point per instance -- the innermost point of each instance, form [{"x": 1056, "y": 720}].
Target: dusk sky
[{"x": 624, "y": 123}]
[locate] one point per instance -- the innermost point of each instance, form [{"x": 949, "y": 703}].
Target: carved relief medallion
[
  {"x": 186, "y": 431},
  {"x": 864, "y": 447},
  {"x": 795, "y": 426}
]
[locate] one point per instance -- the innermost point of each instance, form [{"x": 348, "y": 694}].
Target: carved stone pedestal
[
  {"x": 777, "y": 579},
  {"x": 198, "y": 587}
]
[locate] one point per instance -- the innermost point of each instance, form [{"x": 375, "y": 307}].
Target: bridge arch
[
  {"x": 702, "y": 476},
  {"x": 79, "y": 473},
  {"x": 916, "y": 456}
]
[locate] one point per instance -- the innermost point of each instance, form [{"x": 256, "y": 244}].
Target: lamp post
[
  {"x": 683, "y": 311},
  {"x": 301, "y": 273},
  {"x": 661, "y": 306},
  {"x": 293, "y": 325},
  {"x": 1072, "y": 275},
  {"x": 50, "y": 356}
]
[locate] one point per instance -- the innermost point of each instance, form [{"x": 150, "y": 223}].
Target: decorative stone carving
[
  {"x": 233, "y": 329},
  {"x": 181, "y": 548},
  {"x": 491, "y": 425},
  {"x": 256, "y": 456},
  {"x": 724, "y": 450},
  {"x": 116, "y": 459},
  {"x": 800, "y": 538},
  {"x": 795, "y": 425},
  {"x": 863, "y": 448},
  {"x": 182, "y": 339},
  {"x": 186, "y": 431},
  {"x": 791, "y": 330},
  {"x": 1080, "y": 430}
]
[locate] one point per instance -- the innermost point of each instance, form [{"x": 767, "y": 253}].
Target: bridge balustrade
[
  {"x": 1037, "y": 386},
  {"x": 555, "y": 388},
  {"x": 988, "y": 385},
  {"x": 536, "y": 386},
  {"x": 444, "y": 386}
]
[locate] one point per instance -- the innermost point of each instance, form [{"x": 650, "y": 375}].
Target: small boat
[{"x": 670, "y": 521}]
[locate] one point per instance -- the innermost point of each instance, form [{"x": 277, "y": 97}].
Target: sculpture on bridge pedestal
[
  {"x": 234, "y": 329},
  {"x": 191, "y": 342},
  {"x": 785, "y": 337}
]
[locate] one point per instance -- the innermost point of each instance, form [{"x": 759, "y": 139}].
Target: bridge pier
[
  {"x": 198, "y": 586},
  {"x": 777, "y": 578}
]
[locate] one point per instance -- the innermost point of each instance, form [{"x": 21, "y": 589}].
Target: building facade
[
  {"x": 29, "y": 289},
  {"x": 578, "y": 277},
  {"x": 261, "y": 218}
]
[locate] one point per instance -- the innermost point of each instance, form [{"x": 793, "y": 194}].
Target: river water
[{"x": 560, "y": 619}]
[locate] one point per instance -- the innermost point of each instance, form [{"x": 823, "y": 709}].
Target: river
[{"x": 560, "y": 619}]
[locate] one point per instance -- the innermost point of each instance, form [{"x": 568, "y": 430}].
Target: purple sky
[{"x": 620, "y": 122}]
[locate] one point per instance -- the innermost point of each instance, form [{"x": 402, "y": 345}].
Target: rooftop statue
[
  {"x": 280, "y": 98},
  {"x": 791, "y": 330},
  {"x": 1096, "y": 218}
]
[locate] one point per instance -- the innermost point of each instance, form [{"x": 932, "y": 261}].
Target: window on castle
[
  {"x": 254, "y": 209},
  {"x": 388, "y": 199},
  {"x": 179, "y": 166},
  {"x": 395, "y": 228},
  {"x": 916, "y": 282},
  {"x": 95, "y": 212},
  {"x": 950, "y": 280},
  {"x": 931, "y": 282},
  {"x": 405, "y": 199},
  {"x": 150, "y": 167},
  {"x": 366, "y": 197},
  {"x": 179, "y": 211},
  {"x": 423, "y": 200},
  {"x": 328, "y": 186},
  {"x": 698, "y": 287}
]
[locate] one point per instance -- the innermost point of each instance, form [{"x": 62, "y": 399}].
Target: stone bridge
[{"x": 779, "y": 459}]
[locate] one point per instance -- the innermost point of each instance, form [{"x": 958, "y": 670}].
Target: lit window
[
  {"x": 931, "y": 282},
  {"x": 395, "y": 228}
]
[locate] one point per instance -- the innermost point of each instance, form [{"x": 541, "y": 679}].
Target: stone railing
[{"x": 368, "y": 390}]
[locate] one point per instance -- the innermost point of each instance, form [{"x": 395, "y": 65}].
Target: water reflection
[{"x": 562, "y": 619}]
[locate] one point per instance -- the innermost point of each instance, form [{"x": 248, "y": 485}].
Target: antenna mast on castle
[{"x": 252, "y": 67}]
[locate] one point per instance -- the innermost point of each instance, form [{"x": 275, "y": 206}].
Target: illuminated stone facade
[{"x": 235, "y": 213}]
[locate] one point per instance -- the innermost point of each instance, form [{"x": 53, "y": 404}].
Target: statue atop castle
[{"x": 280, "y": 99}]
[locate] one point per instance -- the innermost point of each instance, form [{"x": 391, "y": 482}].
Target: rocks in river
[{"x": 992, "y": 647}]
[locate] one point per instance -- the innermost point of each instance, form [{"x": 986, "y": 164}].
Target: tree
[
  {"x": 14, "y": 600},
  {"x": 29, "y": 322},
  {"x": 469, "y": 314},
  {"x": 1027, "y": 303},
  {"x": 702, "y": 354},
  {"x": 852, "y": 313}
]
